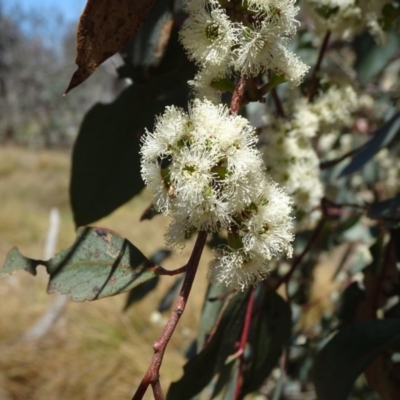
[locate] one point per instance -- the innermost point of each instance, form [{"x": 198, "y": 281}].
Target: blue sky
[{"x": 69, "y": 9}]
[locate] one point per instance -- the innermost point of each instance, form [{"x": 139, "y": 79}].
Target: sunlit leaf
[
  {"x": 104, "y": 28},
  {"x": 99, "y": 264}
]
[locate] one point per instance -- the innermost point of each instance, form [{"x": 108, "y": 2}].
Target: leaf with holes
[
  {"x": 99, "y": 264},
  {"x": 104, "y": 28}
]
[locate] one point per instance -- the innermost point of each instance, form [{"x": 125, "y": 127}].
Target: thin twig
[
  {"x": 314, "y": 78},
  {"x": 278, "y": 103},
  {"x": 238, "y": 94},
  {"x": 342, "y": 205},
  {"x": 332, "y": 163},
  {"x": 162, "y": 271},
  {"x": 297, "y": 261},
  {"x": 157, "y": 390},
  {"x": 48, "y": 319},
  {"x": 243, "y": 341},
  {"x": 388, "y": 258},
  {"x": 152, "y": 376}
]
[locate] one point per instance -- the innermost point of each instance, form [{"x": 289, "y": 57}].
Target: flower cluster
[
  {"x": 263, "y": 233},
  {"x": 288, "y": 151},
  {"x": 240, "y": 37},
  {"x": 292, "y": 162},
  {"x": 347, "y": 17},
  {"x": 205, "y": 172}
]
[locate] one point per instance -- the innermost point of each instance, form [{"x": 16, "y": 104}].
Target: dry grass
[{"x": 94, "y": 351}]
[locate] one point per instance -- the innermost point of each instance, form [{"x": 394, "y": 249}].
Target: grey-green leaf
[
  {"x": 15, "y": 261},
  {"x": 381, "y": 138},
  {"x": 346, "y": 356},
  {"x": 99, "y": 264}
]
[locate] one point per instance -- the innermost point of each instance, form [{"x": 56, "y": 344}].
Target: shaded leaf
[
  {"x": 346, "y": 356},
  {"x": 395, "y": 234},
  {"x": 105, "y": 161},
  {"x": 349, "y": 303},
  {"x": 211, "y": 310},
  {"x": 147, "y": 47},
  {"x": 225, "y": 386},
  {"x": 149, "y": 213},
  {"x": 381, "y": 138},
  {"x": 211, "y": 359},
  {"x": 388, "y": 210},
  {"x": 170, "y": 296},
  {"x": 372, "y": 57},
  {"x": 269, "y": 334},
  {"x": 160, "y": 255},
  {"x": 99, "y": 264},
  {"x": 104, "y": 28},
  {"x": 141, "y": 291}
]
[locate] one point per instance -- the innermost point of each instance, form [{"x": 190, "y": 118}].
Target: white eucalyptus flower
[
  {"x": 208, "y": 36},
  {"x": 207, "y": 167}
]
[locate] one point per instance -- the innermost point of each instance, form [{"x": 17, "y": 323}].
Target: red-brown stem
[
  {"x": 152, "y": 376},
  {"x": 278, "y": 103},
  {"x": 342, "y": 205},
  {"x": 388, "y": 258},
  {"x": 163, "y": 271},
  {"x": 243, "y": 341},
  {"x": 297, "y": 261},
  {"x": 157, "y": 390},
  {"x": 238, "y": 94},
  {"x": 314, "y": 78}
]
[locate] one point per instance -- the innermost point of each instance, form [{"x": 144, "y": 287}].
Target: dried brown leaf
[{"x": 104, "y": 28}]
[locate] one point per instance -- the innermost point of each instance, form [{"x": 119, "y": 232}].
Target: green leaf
[
  {"x": 99, "y": 264},
  {"x": 270, "y": 333},
  {"x": 388, "y": 210},
  {"x": 172, "y": 292},
  {"x": 105, "y": 161},
  {"x": 346, "y": 356},
  {"x": 371, "y": 57},
  {"x": 15, "y": 261},
  {"x": 225, "y": 386},
  {"x": 349, "y": 302},
  {"x": 381, "y": 138},
  {"x": 223, "y": 84},
  {"x": 139, "y": 292},
  {"x": 212, "y": 358},
  {"x": 213, "y": 303}
]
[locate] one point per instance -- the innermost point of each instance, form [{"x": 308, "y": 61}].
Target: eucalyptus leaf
[
  {"x": 213, "y": 356},
  {"x": 99, "y": 264},
  {"x": 269, "y": 335},
  {"x": 372, "y": 57},
  {"x": 347, "y": 355},
  {"x": 381, "y": 138},
  {"x": 106, "y": 161}
]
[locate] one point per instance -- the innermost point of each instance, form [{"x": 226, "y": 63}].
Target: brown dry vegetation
[{"x": 94, "y": 351}]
